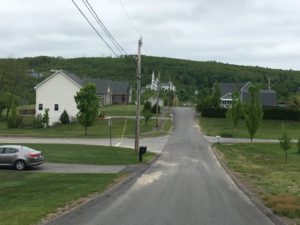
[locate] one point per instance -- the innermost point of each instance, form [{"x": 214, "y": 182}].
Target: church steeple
[{"x": 153, "y": 78}]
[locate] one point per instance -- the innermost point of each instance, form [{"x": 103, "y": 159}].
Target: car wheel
[{"x": 20, "y": 165}]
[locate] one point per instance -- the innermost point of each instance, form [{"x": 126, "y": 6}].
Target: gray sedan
[{"x": 20, "y": 157}]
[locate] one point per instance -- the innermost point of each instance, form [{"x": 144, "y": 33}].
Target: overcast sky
[{"x": 247, "y": 32}]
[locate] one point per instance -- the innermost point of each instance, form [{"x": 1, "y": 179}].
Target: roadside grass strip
[
  {"x": 269, "y": 129},
  {"x": 89, "y": 154},
  {"x": 119, "y": 110},
  {"x": 27, "y": 198},
  {"x": 262, "y": 168},
  {"x": 99, "y": 130}
]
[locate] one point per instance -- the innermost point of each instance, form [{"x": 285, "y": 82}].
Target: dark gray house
[
  {"x": 112, "y": 92},
  {"x": 268, "y": 97}
]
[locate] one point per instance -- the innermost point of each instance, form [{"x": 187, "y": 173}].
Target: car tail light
[{"x": 34, "y": 155}]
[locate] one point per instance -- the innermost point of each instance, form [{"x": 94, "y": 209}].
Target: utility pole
[
  {"x": 157, "y": 100},
  {"x": 138, "y": 97}
]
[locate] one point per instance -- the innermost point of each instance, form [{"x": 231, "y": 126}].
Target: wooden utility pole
[
  {"x": 157, "y": 100},
  {"x": 138, "y": 97}
]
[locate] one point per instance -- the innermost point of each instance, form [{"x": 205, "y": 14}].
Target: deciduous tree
[
  {"x": 88, "y": 105},
  {"x": 252, "y": 111},
  {"x": 285, "y": 142},
  {"x": 236, "y": 111}
]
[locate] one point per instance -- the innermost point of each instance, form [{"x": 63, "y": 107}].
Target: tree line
[{"x": 193, "y": 79}]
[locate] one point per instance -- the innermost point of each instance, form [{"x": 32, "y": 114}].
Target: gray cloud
[{"x": 250, "y": 32}]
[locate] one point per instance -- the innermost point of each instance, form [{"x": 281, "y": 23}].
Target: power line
[
  {"x": 101, "y": 24},
  {"x": 129, "y": 18},
  {"x": 94, "y": 28}
]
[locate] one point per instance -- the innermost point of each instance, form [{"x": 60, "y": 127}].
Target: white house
[{"x": 56, "y": 93}]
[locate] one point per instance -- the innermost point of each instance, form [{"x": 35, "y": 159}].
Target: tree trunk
[
  {"x": 285, "y": 157},
  {"x": 85, "y": 130}
]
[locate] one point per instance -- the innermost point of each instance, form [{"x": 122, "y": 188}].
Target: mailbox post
[
  {"x": 109, "y": 124},
  {"x": 142, "y": 151}
]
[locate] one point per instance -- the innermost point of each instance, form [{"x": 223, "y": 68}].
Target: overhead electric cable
[
  {"x": 129, "y": 18},
  {"x": 101, "y": 24},
  {"x": 82, "y": 13}
]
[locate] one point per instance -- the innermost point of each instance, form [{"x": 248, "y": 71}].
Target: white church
[{"x": 155, "y": 84}]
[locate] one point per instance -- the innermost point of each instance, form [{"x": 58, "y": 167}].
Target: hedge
[
  {"x": 280, "y": 113},
  {"x": 270, "y": 113}
]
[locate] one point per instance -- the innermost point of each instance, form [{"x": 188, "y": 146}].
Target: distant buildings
[
  {"x": 155, "y": 84},
  {"x": 57, "y": 92},
  {"x": 268, "y": 97}
]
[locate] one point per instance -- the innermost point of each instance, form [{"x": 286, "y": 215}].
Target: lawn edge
[
  {"x": 251, "y": 195},
  {"x": 109, "y": 191}
]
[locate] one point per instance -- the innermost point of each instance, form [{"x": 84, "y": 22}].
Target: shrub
[
  {"x": 39, "y": 122},
  {"x": 64, "y": 118},
  {"x": 46, "y": 118},
  {"x": 13, "y": 120},
  {"x": 27, "y": 121}
]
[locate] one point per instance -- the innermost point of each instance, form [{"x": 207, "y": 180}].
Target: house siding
[{"x": 60, "y": 90}]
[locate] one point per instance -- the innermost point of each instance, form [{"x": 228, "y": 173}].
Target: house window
[
  {"x": 56, "y": 107},
  {"x": 40, "y": 107}
]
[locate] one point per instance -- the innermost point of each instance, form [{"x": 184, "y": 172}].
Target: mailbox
[{"x": 142, "y": 150}]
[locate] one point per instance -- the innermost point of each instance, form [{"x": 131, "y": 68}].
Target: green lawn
[
  {"x": 263, "y": 168},
  {"x": 26, "y": 198},
  {"x": 89, "y": 154},
  {"x": 99, "y": 130},
  {"x": 269, "y": 129},
  {"x": 119, "y": 110}
]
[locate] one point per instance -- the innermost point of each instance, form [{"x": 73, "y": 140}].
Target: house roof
[
  {"x": 118, "y": 87},
  {"x": 71, "y": 76},
  {"x": 226, "y": 88},
  {"x": 75, "y": 78},
  {"x": 102, "y": 85},
  {"x": 267, "y": 97}
]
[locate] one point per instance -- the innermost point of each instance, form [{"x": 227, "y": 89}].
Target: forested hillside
[{"x": 187, "y": 75}]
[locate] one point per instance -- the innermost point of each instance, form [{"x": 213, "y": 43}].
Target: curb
[
  {"x": 106, "y": 193},
  {"x": 257, "y": 202}
]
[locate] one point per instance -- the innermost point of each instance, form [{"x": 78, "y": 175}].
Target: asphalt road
[{"x": 186, "y": 186}]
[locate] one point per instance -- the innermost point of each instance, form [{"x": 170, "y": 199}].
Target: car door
[
  {"x": 1, "y": 156},
  {"x": 9, "y": 156}
]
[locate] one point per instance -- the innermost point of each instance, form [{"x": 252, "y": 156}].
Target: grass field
[
  {"x": 264, "y": 170},
  {"x": 89, "y": 154},
  {"x": 26, "y": 198},
  {"x": 119, "y": 110},
  {"x": 269, "y": 129},
  {"x": 99, "y": 130}
]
